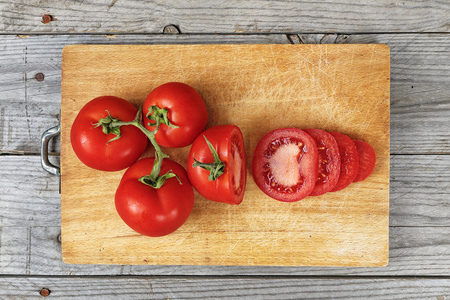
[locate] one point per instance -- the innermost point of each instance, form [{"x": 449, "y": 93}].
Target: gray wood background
[{"x": 32, "y": 35}]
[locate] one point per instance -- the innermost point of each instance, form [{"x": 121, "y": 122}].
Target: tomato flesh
[
  {"x": 329, "y": 163},
  {"x": 366, "y": 159},
  {"x": 285, "y": 164},
  {"x": 281, "y": 171},
  {"x": 349, "y": 160}
]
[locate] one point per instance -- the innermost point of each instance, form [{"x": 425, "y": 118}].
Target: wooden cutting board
[{"x": 259, "y": 88}]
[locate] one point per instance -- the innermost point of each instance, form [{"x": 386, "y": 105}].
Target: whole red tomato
[
  {"x": 95, "y": 148},
  {"x": 182, "y": 112},
  {"x": 228, "y": 143},
  {"x": 154, "y": 212}
]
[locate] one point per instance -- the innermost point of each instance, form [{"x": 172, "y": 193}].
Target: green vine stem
[{"x": 112, "y": 125}]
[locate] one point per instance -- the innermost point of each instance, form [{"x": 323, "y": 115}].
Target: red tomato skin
[
  {"x": 91, "y": 144},
  {"x": 333, "y": 164},
  {"x": 186, "y": 109},
  {"x": 366, "y": 158},
  {"x": 349, "y": 160},
  {"x": 229, "y": 143},
  {"x": 154, "y": 212},
  {"x": 308, "y": 164}
]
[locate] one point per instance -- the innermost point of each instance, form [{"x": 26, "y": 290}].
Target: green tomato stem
[
  {"x": 159, "y": 116},
  {"x": 216, "y": 168},
  {"x": 154, "y": 179}
]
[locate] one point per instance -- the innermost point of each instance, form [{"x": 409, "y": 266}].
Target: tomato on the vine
[
  {"x": 102, "y": 150},
  {"x": 285, "y": 164},
  {"x": 329, "y": 161},
  {"x": 178, "y": 112},
  {"x": 349, "y": 160},
  {"x": 219, "y": 174},
  {"x": 154, "y": 211},
  {"x": 366, "y": 158}
]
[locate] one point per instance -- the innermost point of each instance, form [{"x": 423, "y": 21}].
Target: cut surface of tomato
[
  {"x": 285, "y": 163},
  {"x": 349, "y": 160},
  {"x": 329, "y": 165},
  {"x": 366, "y": 158}
]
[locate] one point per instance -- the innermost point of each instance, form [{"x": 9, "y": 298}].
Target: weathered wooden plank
[
  {"x": 419, "y": 93},
  {"x": 223, "y": 17},
  {"x": 28, "y": 194},
  {"x": 414, "y": 251},
  {"x": 410, "y": 53},
  {"x": 229, "y": 288},
  {"x": 28, "y": 107},
  {"x": 420, "y": 114},
  {"x": 14, "y": 249},
  {"x": 31, "y": 215},
  {"x": 419, "y": 191}
]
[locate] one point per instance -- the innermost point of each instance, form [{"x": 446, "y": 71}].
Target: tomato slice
[
  {"x": 366, "y": 158},
  {"x": 329, "y": 161},
  {"x": 228, "y": 142},
  {"x": 285, "y": 164},
  {"x": 349, "y": 160}
]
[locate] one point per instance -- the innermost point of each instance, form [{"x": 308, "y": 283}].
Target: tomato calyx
[
  {"x": 216, "y": 168},
  {"x": 108, "y": 127},
  {"x": 159, "y": 116},
  {"x": 155, "y": 180}
]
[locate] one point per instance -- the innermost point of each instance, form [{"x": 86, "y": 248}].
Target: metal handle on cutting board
[{"x": 46, "y": 137}]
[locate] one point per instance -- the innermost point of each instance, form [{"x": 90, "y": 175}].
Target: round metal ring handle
[{"x": 46, "y": 137}]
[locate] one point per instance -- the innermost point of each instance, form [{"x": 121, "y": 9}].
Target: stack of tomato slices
[{"x": 290, "y": 164}]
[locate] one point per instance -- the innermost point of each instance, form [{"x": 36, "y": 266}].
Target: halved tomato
[
  {"x": 220, "y": 176},
  {"x": 349, "y": 160},
  {"x": 285, "y": 164},
  {"x": 329, "y": 161},
  {"x": 366, "y": 158}
]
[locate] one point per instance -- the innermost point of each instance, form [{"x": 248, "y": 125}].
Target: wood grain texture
[
  {"x": 132, "y": 16},
  {"x": 15, "y": 250},
  {"x": 414, "y": 251},
  {"x": 408, "y": 178},
  {"x": 419, "y": 192},
  {"x": 419, "y": 106},
  {"x": 242, "y": 85},
  {"x": 28, "y": 194},
  {"x": 225, "y": 288},
  {"x": 29, "y": 228},
  {"x": 28, "y": 107}
]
